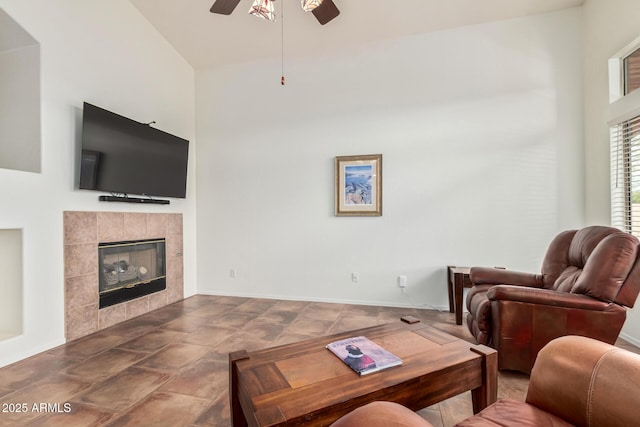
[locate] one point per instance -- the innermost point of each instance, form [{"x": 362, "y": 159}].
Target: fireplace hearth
[{"x": 130, "y": 269}]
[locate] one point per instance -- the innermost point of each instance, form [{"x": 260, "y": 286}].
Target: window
[
  {"x": 625, "y": 176},
  {"x": 624, "y": 113},
  {"x": 631, "y": 72}
]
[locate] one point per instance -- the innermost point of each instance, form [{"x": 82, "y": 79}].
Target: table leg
[
  {"x": 458, "y": 284},
  {"x": 487, "y": 393},
  {"x": 450, "y": 288},
  {"x": 237, "y": 414}
]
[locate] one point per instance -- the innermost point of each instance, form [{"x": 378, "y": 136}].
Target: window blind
[{"x": 625, "y": 176}]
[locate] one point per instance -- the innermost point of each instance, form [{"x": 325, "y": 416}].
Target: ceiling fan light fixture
[
  {"x": 309, "y": 5},
  {"x": 263, "y": 9}
]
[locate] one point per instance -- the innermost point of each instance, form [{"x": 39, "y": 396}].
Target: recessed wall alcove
[
  {"x": 11, "y": 283},
  {"x": 19, "y": 97},
  {"x": 83, "y": 231}
]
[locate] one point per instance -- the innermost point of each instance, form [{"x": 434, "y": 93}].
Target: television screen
[{"x": 120, "y": 155}]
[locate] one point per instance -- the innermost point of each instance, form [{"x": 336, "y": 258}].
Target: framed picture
[{"x": 359, "y": 185}]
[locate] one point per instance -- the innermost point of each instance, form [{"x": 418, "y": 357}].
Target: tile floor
[{"x": 169, "y": 367}]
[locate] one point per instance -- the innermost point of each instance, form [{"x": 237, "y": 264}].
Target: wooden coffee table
[{"x": 304, "y": 383}]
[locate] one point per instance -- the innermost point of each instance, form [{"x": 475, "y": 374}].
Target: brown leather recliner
[
  {"x": 588, "y": 276},
  {"x": 576, "y": 381}
]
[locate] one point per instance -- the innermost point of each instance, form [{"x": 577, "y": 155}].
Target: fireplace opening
[{"x": 130, "y": 270}]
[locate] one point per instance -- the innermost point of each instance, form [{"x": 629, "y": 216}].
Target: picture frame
[{"x": 358, "y": 181}]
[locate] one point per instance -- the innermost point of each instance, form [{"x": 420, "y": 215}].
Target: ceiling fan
[{"x": 323, "y": 10}]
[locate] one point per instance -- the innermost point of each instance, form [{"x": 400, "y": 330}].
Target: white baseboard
[
  {"x": 630, "y": 339},
  {"x": 327, "y": 300},
  {"x": 10, "y": 357}
]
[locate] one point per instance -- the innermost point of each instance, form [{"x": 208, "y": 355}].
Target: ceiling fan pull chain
[{"x": 282, "y": 41}]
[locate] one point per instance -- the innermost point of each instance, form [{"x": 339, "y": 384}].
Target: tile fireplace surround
[{"x": 82, "y": 233}]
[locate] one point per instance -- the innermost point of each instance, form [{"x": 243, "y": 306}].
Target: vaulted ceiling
[{"x": 207, "y": 40}]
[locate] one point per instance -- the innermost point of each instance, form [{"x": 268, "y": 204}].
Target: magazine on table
[{"x": 363, "y": 355}]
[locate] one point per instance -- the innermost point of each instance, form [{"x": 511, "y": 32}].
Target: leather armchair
[
  {"x": 576, "y": 381},
  {"x": 587, "y": 279},
  {"x": 382, "y": 414}
]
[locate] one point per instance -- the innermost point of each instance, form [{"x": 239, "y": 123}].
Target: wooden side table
[{"x": 457, "y": 278}]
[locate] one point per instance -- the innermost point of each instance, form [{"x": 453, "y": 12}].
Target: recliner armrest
[
  {"x": 586, "y": 382},
  {"x": 545, "y": 297},
  {"x": 498, "y": 276}
]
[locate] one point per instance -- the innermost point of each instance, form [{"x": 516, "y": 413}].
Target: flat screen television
[{"x": 122, "y": 156}]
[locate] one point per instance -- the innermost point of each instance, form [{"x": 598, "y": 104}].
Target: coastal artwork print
[{"x": 359, "y": 185}]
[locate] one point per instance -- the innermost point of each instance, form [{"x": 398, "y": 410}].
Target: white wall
[
  {"x": 480, "y": 131},
  {"x": 105, "y": 53},
  {"x": 609, "y": 25}
]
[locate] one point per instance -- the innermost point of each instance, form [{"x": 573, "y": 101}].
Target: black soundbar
[{"x": 127, "y": 199}]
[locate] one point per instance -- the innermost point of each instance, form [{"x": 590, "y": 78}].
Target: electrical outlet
[
  {"x": 355, "y": 277},
  {"x": 233, "y": 273},
  {"x": 402, "y": 281}
]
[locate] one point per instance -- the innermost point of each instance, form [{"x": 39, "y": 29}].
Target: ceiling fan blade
[
  {"x": 325, "y": 12},
  {"x": 224, "y": 7}
]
